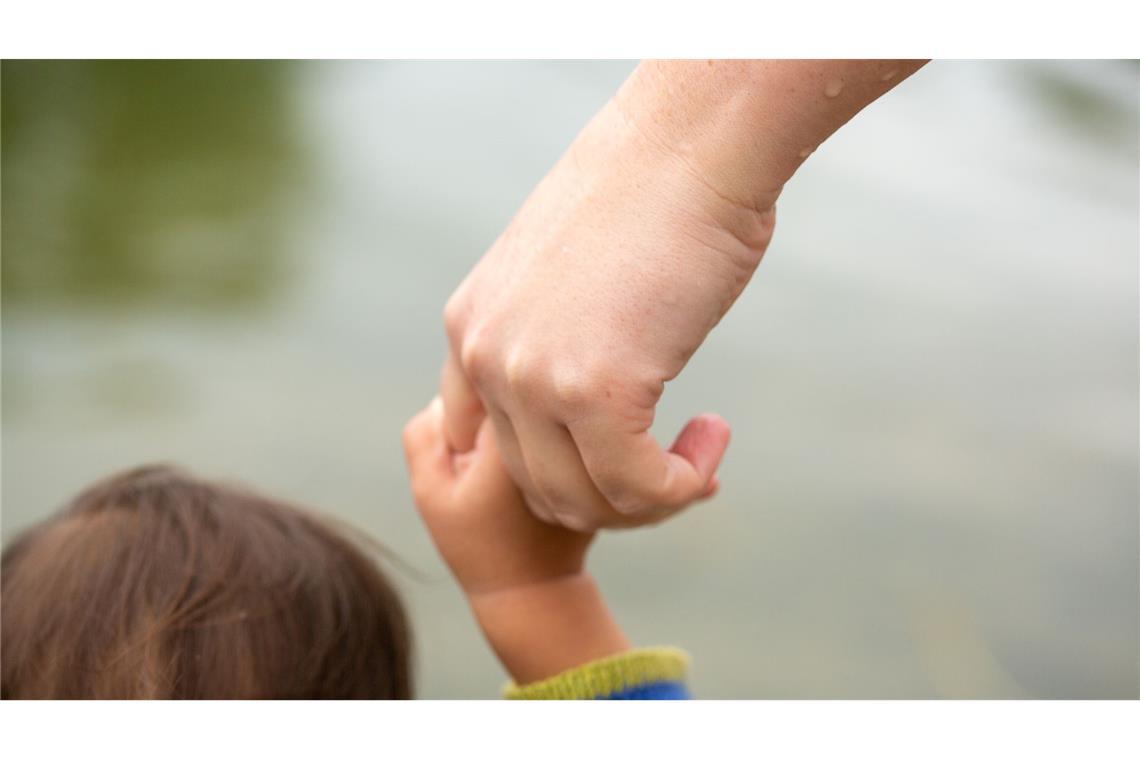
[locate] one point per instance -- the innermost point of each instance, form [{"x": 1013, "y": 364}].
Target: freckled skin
[{"x": 618, "y": 265}]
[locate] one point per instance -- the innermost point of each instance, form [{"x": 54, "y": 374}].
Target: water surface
[{"x": 933, "y": 379}]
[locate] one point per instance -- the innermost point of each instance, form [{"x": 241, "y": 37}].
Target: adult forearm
[{"x": 745, "y": 126}]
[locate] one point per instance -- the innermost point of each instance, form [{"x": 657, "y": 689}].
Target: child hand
[
  {"x": 524, "y": 579},
  {"x": 477, "y": 517}
]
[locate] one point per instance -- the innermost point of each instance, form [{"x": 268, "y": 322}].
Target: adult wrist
[
  {"x": 709, "y": 116},
  {"x": 748, "y": 125},
  {"x": 638, "y": 151}
]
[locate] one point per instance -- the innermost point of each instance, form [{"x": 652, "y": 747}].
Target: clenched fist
[{"x": 615, "y": 270}]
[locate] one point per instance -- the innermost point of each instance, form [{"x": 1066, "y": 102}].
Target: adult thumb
[{"x": 702, "y": 442}]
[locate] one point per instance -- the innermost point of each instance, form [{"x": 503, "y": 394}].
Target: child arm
[{"x": 525, "y": 580}]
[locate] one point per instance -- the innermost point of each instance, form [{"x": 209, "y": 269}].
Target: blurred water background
[{"x": 933, "y": 379}]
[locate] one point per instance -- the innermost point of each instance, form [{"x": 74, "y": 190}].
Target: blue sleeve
[{"x": 653, "y": 673}]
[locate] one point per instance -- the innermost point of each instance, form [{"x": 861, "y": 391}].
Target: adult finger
[
  {"x": 636, "y": 475},
  {"x": 560, "y": 478},
  {"x": 488, "y": 474},
  {"x": 514, "y": 460},
  {"x": 462, "y": 409}
]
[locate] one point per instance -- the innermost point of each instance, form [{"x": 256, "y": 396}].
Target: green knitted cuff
[{"x": 601, "y": 678}]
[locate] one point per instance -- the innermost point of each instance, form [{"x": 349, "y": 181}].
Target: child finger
[{"x": 429, "y": 460}]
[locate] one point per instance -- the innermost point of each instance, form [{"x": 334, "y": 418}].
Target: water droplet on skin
[
  {"x": 833, "y": 88},
  {"x": 888, "y": 75}
]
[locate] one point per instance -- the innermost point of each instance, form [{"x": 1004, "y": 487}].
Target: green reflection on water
[
  {"x": 1095, "y": 115},
  {"x": 130, "y": 181}
]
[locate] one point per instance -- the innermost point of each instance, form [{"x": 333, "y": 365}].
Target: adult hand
[
  {"x": 616, "y": 268},
  {"x": 597, "y": 294}
]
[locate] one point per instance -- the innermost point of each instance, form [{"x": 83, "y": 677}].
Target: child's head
[{"x": 153, "y": 584}]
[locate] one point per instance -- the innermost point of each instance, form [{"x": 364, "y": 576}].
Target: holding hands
[
  {"x": 523, "y": 578},
  {"x": 616, "y": 268},
  {"x": 563, "y": 336}
]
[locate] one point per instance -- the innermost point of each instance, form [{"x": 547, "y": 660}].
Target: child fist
[{"x": 476, "y": 514}]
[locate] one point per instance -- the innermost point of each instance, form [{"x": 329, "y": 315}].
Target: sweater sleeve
[{"x": 651, "y": 673}]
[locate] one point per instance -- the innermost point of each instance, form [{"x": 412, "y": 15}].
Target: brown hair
[{"x": 153, "y": 584}]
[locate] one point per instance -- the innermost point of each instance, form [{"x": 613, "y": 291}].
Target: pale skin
[{"x": 616, "y": 268}]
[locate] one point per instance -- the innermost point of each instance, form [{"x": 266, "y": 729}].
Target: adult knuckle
[
  {"x": 579, "y": 389},
  {"x": 408, "y": 435},
  {"x": 611, "y": 484},
  {"x": 577, "y": 521},
  {"x": 476, "y": 357},
  {"x": 521, "y": 370},
  {"x": 628, "y": 503},
  {"x": 455, "y": 318},
  {"x": 629, "y": 497},
  {"x": 553, "y": 496}
]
